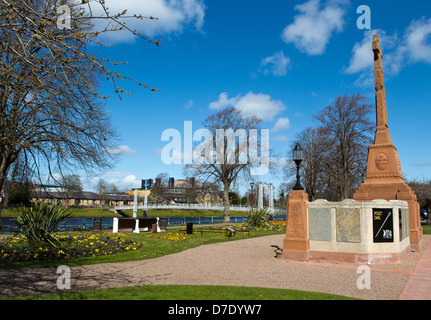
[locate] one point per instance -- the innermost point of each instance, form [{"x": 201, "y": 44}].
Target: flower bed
[
  {"x": 169, "y": 236},
  {"x": 70, "y": 246},
  {"x": 272, "y": 226}
]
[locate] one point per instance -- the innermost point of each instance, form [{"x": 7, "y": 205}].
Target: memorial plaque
[
  {"x": 319, "y": 222},
  {"x": 348, "y": 224},
  {"x": 296, "y": 225},
  {"x": 404, "y": 223},
  {"x": 383, "y": 225}
]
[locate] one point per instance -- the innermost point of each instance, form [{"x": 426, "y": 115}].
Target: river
[{"x": 74, "y": 223}]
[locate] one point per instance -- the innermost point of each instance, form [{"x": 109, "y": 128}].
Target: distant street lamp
[
  {"x": 251, "y": 185},
  {"x": 298, "y": 157}
]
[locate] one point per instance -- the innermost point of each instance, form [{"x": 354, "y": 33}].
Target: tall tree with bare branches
[
  {"x": 315, "y": 145},
  {"x": 51, "y": 114},
  {"x": 229, "y": 151},
  {"x": 348, "y": 129}
]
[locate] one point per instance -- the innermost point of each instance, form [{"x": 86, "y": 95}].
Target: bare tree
[
  {"x": 71, "y": 183},
  {"x": 160, "y": 187},
  {"x": 50, "y": 110},
  {"x": 348, "y": 130},
  {"x": 315, "y": 145},
  {"x": 224, "y": 158},
  {"x": 422, "y": 189}
]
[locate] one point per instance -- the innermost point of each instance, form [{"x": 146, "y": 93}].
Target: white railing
[{"x": 193, "y": 206}]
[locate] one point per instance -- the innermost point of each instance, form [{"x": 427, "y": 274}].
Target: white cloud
[
  {"x": 189, "y": 104},
  {"x": 281, "y": 124},
  {"x": 280, "y": 138},
  {"x": 413, "y": 47},
  {"x": 122, "y": 180},
  {"x": 362, "y": 54},
  {"x": 123, "y": 149},
  {"x": 252, "y": 104},
  {"x": 276, "y": 64},
  {"x": 313, "y": 27},
  {"x": 423, "y": 164},
  {"x": 223, "y": 101},
  {"x": 172, "y": 16},
  {"x": 417, "y": 44},
  {"x": 259, "y": 105}
]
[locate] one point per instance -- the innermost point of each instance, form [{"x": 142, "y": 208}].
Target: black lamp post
[
  {"x": 251, "y": 185},
  {"x": 298, "y": 157}
]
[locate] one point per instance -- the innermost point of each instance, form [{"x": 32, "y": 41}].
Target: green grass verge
[
  {"x": 186, "y": 292},
  {"x": 426, "y": 228},
  {"x": 151, "y": 248}
]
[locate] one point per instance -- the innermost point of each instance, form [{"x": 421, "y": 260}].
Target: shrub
[
  {"x": 258, "y": 218},
  {"x": 39, "y": 223}
]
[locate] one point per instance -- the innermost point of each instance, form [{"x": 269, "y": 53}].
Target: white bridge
[
  {"x": 195, "y": 207},
  {"x": 146, "y": 206}
]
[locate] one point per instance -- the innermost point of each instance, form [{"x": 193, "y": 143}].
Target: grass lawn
[
  {"x": 426, "y": 228},
  {"x": 158, "y": 245},
  {"x": 152, "y": 247},
  {"x": 185, "y": 292}
]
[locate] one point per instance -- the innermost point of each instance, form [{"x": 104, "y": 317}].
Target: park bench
[
  {"x": 135, "y": 224},
  {"x": 230, "y": 232}
]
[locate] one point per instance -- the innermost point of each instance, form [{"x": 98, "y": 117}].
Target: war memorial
[{"x": 381, "y": 224}]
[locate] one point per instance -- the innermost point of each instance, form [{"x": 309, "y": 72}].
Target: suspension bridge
[{"x": 192, "y": 206}]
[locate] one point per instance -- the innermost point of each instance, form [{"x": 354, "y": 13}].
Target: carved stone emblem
[{"x": 381, "y": 161}]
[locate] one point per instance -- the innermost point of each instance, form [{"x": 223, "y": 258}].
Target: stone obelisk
[{"x": 384, "y": 178}]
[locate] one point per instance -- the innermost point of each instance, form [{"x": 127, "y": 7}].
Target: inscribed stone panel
[
  {"x": 319, "y": 224},
  {"x": 348, "y": 225}
]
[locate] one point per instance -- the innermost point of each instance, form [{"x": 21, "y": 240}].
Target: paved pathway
[
  {"x": 248, "y": 262},
  {"x": 419, "y": 285}
]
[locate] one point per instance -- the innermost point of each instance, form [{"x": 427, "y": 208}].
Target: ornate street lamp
[{"x": 298, "y": 157}]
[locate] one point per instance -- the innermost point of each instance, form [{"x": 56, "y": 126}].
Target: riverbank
[{"x": 104, "y": 212}]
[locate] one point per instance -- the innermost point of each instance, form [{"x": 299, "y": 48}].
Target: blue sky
[{"x": 280, "y": 60}]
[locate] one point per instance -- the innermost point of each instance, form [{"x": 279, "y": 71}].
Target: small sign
[{"x": 383, "y": 225}]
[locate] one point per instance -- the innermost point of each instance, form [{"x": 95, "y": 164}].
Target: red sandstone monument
[
  {"x": 384, "y": 178},
  {"x": 296, "y": 245}
]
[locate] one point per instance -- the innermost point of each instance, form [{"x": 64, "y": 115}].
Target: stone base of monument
[
  {"x": 296, "y": 245},
  {"x": 359, "y": 232},
  {"x": 400, "y": 191},
  {"x": 373, "y": 232}
]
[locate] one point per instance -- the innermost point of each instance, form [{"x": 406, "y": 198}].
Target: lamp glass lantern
[{"x": 298, "y": 157}]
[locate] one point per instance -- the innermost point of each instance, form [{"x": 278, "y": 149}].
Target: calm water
[{"x": 8, "y": 224}]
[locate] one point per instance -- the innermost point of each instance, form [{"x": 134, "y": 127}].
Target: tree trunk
[
  {"x": 226, "y": 212},
  {"x": 4, "y": 168}
]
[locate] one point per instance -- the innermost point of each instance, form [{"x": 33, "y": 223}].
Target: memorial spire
[
  {"x": 381, "y": 111},
  {"x": 384, "y": 179}
]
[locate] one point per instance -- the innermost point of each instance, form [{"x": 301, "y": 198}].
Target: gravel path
[{"x": 248, "y": 262}]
